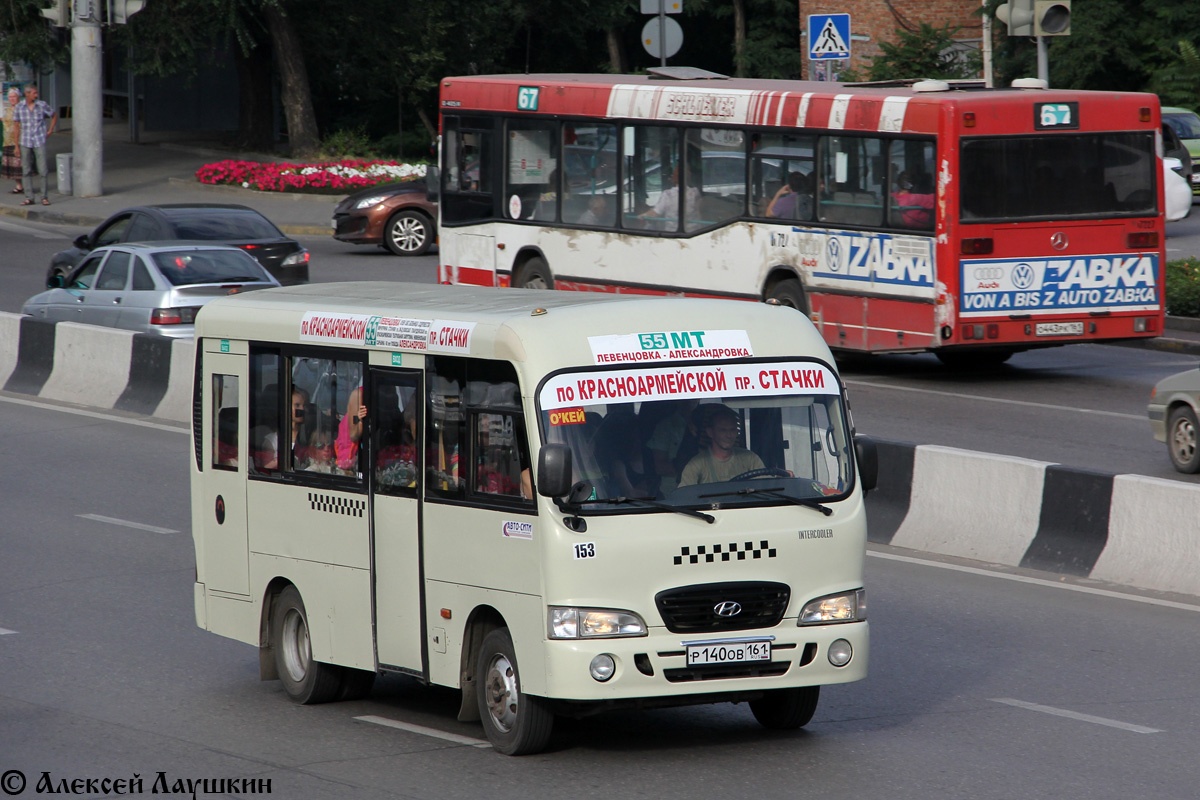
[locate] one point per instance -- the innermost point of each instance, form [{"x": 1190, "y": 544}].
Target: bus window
[
  {"x": 531, "y": 155},
  {"x": 851, "y": 176},
  {"x": 651, "y": 191},
  {"x": 912, "y": 185},
  {"x": 333, "y": 433},
  {"x": 445, "y": 429},
  {"x": 225, "y": 412},
  {"x": 716, "y": 167},
  {"x": 466, "y": 193},
  {"x": 589, "y": 159},
  {"x": 779, "y": 162},
  {"x": 264, "y": 413}
]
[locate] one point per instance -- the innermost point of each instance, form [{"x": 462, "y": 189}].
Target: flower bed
[{"x": 342, "y": 176}]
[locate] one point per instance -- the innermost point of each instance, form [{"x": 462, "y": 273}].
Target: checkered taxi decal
[
  {"x": 727, "y": 552},
  {"x": 332, "y": 504}
]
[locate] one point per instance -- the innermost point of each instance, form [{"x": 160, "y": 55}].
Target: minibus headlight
[
  {"x": 844, "y": 607},
  {"x": 593, "y": 623}
]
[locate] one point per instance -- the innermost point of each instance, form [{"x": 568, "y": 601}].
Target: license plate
[
  {"x": 1196, "y": 177},
  {"x": 727, "y": 653},
  {"x": 1059, "y": 329}
]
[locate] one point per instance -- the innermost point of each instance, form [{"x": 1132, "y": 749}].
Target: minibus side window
[
  {"x": 502, "y": 466},
  {"x": 445, "y": 432},
  {"x": 264, "y": 413},
  {"x": 326, "y": 425},
  {"x": 225, "y": 431}
]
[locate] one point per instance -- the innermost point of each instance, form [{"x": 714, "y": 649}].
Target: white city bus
[{"x": 364, "y": 499}]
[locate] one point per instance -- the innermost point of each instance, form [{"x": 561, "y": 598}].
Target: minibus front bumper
[{"x": 657, "y": 666}]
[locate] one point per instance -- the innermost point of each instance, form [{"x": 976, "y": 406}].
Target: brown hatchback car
[{"x": 398, "y": 216}]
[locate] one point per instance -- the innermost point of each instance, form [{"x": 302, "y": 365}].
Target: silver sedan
[
  {"x": 1172, "y": 411},
  {"x": 152, "y": 287}
]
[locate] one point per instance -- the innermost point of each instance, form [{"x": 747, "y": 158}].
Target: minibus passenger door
[
  {"x": 225, "y": 452},
  {"x": 394, "y": 461}
]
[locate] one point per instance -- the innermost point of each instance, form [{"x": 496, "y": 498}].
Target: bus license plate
[
  {"x": 734, "y": 653},
  {"x": 1059, "y": 329}
]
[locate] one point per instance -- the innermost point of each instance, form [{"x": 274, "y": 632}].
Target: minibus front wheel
[
  {"x": 516, "y": 723},
  {"x": 306, "y": 681},
  {"x": 786, "y": 709}
]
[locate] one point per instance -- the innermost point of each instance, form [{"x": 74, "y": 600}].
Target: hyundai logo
[{"x": 728, "y": 608}]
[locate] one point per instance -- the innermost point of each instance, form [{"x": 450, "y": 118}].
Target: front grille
[
  {"x": 692, "y": 609},
  {"x": 771, "y": 669}
]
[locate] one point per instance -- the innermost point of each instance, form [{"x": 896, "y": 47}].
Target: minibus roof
[{"x": 547, "y": 330}]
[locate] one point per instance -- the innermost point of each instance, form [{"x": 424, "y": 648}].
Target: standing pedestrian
[
  {"x": 10, "y": 160},
  {"x": 32, "y": 131}
]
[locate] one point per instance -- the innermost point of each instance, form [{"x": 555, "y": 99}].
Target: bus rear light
[
  {"x": 1145, "y": 324},
  {"x": 1142, "y": 239},
  {"x": 972, "y": 331},
  {"x": 969, "y": 119},
  {"x": 993, "y": 331},
  {"x": 977, "y": 247},
  {"x": 1144, "y": 114},
  {"x": 174, "y": 316}
]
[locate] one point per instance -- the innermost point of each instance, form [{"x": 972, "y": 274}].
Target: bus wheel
[
  {"x": 1181, "y": 440},
  {"x": 788, "y": 293},
  {"x": 974, "y": 359},
  {"x": 535, "y": 274},
  {"x": 515, "y": 723},
  {"x": 408, "y": 234},
  {"x": 786, "y": 709},
  {"x": 305, "y": 681}
]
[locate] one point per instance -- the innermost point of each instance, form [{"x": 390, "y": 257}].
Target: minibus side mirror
[
  {"x": 433, "y": 184},
  {"x": 554, "y": 470},
  {"x": 867, "y": 456}
]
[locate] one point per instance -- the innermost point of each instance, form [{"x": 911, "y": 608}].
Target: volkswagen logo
[
  {"x": 727, "y": 608},
  {"x": 833, "y": 253},
  {"x": 1059, "y": 241},
  {"x": 1023, "y": 276}
]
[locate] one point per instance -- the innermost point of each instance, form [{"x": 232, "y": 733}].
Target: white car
[{"x": 1178, "y": 193}]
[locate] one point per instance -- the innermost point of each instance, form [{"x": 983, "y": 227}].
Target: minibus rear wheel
[
  {"x": 306, "y": 681},
  {"x": 786, "y": 709},
  {"x": 516, "y": 723}
]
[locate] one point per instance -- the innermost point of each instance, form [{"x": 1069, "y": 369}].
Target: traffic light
[
  {"x": 1036, "y": 17},
  {"x": 59, "y": 14},
  {"x": 1052, "y": 18},
  {"x": 122, "y": 10}
]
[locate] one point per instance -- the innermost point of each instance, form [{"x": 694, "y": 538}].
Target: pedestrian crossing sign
[{"x": 828, "y": 36}]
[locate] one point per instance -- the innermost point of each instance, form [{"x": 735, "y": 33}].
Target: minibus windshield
[{"x": 711, "y": 436}]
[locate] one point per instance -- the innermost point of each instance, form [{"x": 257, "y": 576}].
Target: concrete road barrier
[
  {"x": 1127, "y": 529},
  {"x": 99, "y": 367}
]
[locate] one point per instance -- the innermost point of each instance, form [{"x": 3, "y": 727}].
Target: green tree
[
  {"x": 1177, "y": 83},
  {"x": 928, "y": 52}
]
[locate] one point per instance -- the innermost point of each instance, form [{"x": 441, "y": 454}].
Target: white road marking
[
  {"x": 1062, "y": 712},
  {"x": 977, "y": 397},
  {"x": 1070, "y": 587},
  {"x": 435, "y": 733},
  {"x": 82, "y": 412},
  {"x": 5, "y": 631},
  {"x": 126, "y": 523}
]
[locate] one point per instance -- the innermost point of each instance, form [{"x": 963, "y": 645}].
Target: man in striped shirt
[{"x": 30, "y": 120}]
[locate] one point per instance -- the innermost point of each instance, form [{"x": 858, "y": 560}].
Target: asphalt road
[
  {"x": 1081, "y": 405},
  {"x": 983, "y": 684}
]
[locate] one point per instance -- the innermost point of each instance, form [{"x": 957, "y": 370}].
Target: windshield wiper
[
  {"x": 650, "y": 502},
  {"x": 776, "y": 491}
]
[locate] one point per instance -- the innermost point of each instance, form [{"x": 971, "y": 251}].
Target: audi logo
[
  {"x": 728, "y": 608},
  {"x": 988, "y": 273}
]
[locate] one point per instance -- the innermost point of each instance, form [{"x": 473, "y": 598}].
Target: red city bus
[{"x": 926, "y": 216}]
